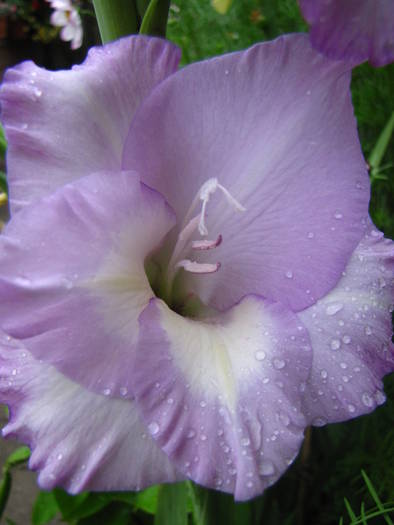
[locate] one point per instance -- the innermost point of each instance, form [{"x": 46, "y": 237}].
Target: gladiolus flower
[
  {"x": 354, "y": 30},
  {"x": 190, "y": 276}
]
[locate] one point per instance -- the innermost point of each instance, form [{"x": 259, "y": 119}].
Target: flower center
[{"x": 195, "y": 225}]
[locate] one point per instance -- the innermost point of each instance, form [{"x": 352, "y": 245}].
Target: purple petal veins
[{"x": 113, "y": 302}]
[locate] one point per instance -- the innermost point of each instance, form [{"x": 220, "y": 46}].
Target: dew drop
[
  {"x": 107, "y": 391},
  {"x": 203, "y": 437},
  {"x": 334, "y": 308},
  {"x": 123, "y": 391},
  {"x": 310, "y": 235},
  {"x": 368, "y": 330},
  {"x": 279, "y": 363},
  {"x": 335, "y": 344},
  {"x": 324, "y": 374},
  {"x": 267, "y": 468},
  {"x": 153, "y": 428},
  {"x": 284, "y": 418},
  {"x": 260, "y": 355},
  {"x": 59, "y": 457},
  {"x": 289, "y": 274},
  {"x": 380, "y": 397},
  {"x": 367, "y": 400},
  {"x": 245, "y": 442},
  {"x": 191, "y": 434},
  {"x": 343, "y": 366},
  {"x": 351, "y": 408},
  {"x": 346, "y": 339},
  {"x": 203, "y": 404},
  {"x": 319, "y": 422},
  {"x": 266, "y": 380},
  {"x": 249, "y": 484},
  {"x": 338, "y": 215}
]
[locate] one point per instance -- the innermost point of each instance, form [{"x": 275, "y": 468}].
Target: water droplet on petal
[
  {"x": 289, "y": 274},
  {"x": 338, "y": 215},
  {"x": 334, "y": 308},
  {"x": 123, "y": 391},
  {"x": 335, "y": 344},
  {"x": 380, "y": 397},
  {"x": 284, "y": 418},
  {"x": 368, "y": 330},
  {"x": 267, "y": 468},
  {"x": 319, "y": 422},
  {"x": 346, "y": 339},
  {"x": 279, "y": 363},
  {"x": 153, "y": 428},
  {"x": 324, "y": 374},
  {"x": 351, "y": 408},
  {"x": 245, "y": 442},
  {"x": 367, "y": 400},
  {"x": 260, "y": 355},
  {"x": 310, "y": 235},
  {"x": 191, "y": 434}
]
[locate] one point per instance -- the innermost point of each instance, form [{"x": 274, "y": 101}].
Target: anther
[
  {"x": 206, "y": 244},
  {"x": 196, "y": 267}
]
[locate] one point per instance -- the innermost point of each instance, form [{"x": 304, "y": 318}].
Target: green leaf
[
  {"x": 380, "y": 148},
  {"x": 142, "y": 6},
  {"x": 350, "y": 511},
  {"x": 211, "y": 508},
  {"x": 45, "y": 508},
  {"x": 155, "y": 19},
  {"x": 362, "y": 515},
  {"x": 146, "y": 500},
  {"x": 172, "y": 505},
  {"x": 113, "y": 514},
  {"x": 375, "y": 497},
  {"x": 3, "y": 182},
  {"x": 5, "y": 489},
  {"x": 3, "y": 142},
  {"x": 115, "y": 18},
  {"x": 20, "y": 455}
]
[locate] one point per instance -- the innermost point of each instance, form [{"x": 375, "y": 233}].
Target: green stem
[
  {"x": 155, "y": 18},
  {"x": 115, "y": 18}
]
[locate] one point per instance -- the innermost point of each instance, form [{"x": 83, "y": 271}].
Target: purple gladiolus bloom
[
  {"x": 354, "y": 30},
  {"x": 190, "y": 276}
]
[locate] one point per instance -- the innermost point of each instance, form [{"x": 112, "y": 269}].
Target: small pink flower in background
[
  {"x": 354, "y": 30},
  {"x": 66, "y": 16}
]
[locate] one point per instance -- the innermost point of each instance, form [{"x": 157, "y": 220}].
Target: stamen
[
  {"x": 189, "y": 229},
  {"x": 196, "y": 267},
  {"x": 206, "y": 244}
]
